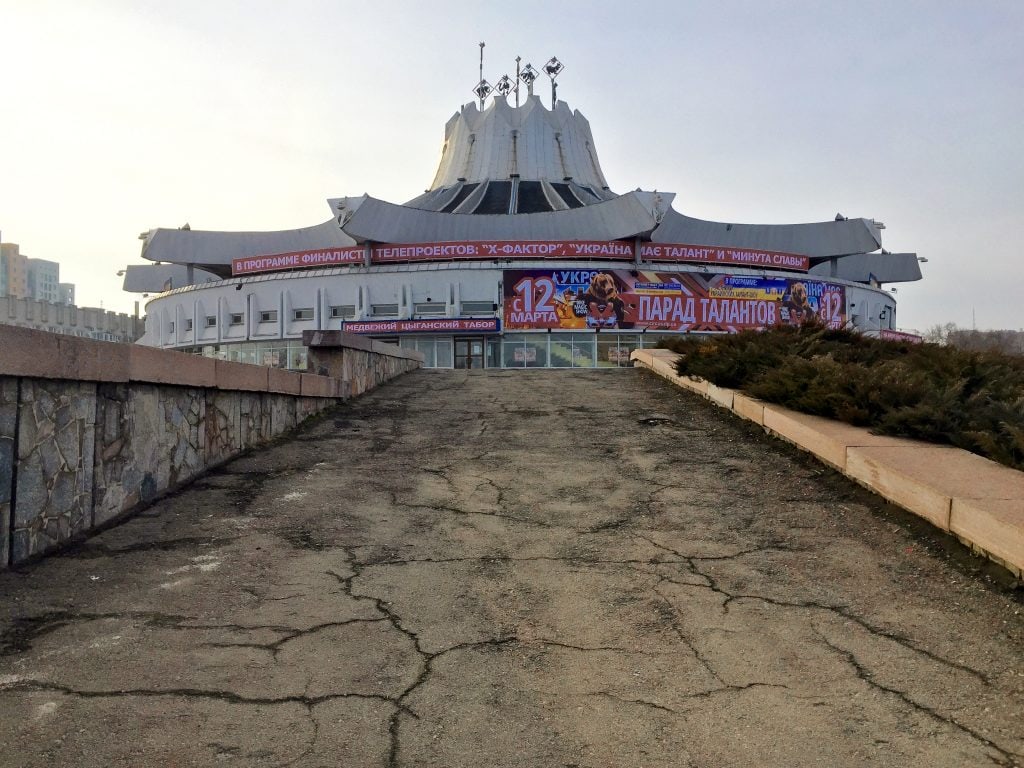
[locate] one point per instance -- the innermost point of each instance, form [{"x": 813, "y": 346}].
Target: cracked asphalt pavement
[{"x": 515, "y": 568}]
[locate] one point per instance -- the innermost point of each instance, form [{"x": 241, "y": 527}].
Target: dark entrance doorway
[{"x": 469, "y": 352}]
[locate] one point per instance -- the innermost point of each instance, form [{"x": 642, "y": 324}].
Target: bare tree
[
  {"x": 1008, "y": 342},
  {"x": 939, "y": 334}
]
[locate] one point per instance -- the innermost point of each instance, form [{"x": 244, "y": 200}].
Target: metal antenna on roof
[
  {"x": 483, "y": 88},
  {"x": 518, "y": 59},
  {"x": 553, "y": 68},
  {"x": 482, "y": 44}
]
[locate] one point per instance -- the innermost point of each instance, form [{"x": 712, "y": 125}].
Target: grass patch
[{"x": 970, "y": 399}]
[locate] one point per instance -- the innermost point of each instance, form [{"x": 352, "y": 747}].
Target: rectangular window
[
  {"x": 344, "y": 311},
  {"x": 170, "y": 327},
  {"x": 268, "y": 316},
  {"x": 237, "y": 318},
  {"x": 429, "y": 308},
  {"x": 384, "y": 310},
  {"x": 478, "y": 308},
  {"x": 211, "y": 321},
  {"x": 188, "y": 325},
  {"x": 302, "y": 314}
]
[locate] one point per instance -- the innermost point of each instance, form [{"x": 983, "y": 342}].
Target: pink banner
[
  {"x": 618, "y": 250},
  {"x": 912, "y": 338},
  {"x": 741, "y": 257},
  {"x": 279, "y": 262},
  {"x": 504, "y": 249},
  {"x": 440, "y": 325}
]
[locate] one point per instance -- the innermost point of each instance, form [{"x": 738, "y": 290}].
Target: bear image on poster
[
  {"x": 797, "y": 306},
  {"x": 602, "y": 304}
]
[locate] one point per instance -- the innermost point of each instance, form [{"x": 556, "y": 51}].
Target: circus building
[{"x": 519, "y": 255}]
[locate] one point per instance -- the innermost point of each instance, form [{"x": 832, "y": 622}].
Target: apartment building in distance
[{"x": 32, "y": 296}]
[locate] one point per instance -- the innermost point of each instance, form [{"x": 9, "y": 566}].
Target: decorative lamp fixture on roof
[
  {"x": 482, "y": 90},
  {"x": 504, "y": 86},
  {"x": 528, "y": 76}
]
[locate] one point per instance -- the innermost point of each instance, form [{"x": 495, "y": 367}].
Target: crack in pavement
[
  {"x": 1005, "y": 757},
  {"x": 839, "y": 610},
  {"x": 428, "y": 657},
  {"x": 683, "y": 637},
  {"x": 699, "y": 695},
  {"x": 24, "y": 630},
  {"x": 229, "y": 697},
  {"x": 308, "y": 703},
  {"x": 18, "y": 638},
  {"x": 573, "y": 560},
  {"x": 276, "y": 646},
  {"x": 471, "y": 512}
]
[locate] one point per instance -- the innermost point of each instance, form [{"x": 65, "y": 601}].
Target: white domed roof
[{"x": 528, "y": 142}]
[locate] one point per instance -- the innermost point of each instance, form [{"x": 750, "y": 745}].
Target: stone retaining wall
[
  {"x": 91, "y": 432},
  {"x": 356, "y": 359}
]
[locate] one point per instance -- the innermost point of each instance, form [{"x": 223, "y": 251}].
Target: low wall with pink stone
[
  {"x": 978, "y": 501},
  {"x": 91, "y": 432}
]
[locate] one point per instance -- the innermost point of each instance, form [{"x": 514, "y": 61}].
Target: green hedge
[{"x": 973, "y": 400}]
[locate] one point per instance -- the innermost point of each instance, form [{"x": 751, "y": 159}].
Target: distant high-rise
[
  {"x": 14, "y": 266},
  {"x": 25, "y": 278},
  {"x": 43, "y": 280}
]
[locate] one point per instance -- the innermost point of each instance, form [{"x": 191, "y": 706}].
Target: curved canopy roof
[
  {"x": 818, "y": 240},
  {"x": 625, "y": 216}
]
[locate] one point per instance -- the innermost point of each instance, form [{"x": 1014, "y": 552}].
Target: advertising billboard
[{"x": 595, "y": 299}]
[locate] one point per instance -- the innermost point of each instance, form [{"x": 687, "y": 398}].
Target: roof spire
[
  {"x": 518, "y": 59},
  {"x": 553, "y": 68},
  {"x": 483, "y": 88}
]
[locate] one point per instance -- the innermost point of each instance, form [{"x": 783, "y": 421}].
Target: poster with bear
[{"x": 601, "y": 299}]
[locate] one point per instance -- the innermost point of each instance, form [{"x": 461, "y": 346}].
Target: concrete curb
[{"x": 977, "y": 500}]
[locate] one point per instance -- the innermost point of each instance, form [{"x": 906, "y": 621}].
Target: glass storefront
[
  {"x": 281, "y": 353},
  {"x": 513, "y": 350}
]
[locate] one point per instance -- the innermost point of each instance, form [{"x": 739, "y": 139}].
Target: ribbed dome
[{"x": 507, "y": 159}]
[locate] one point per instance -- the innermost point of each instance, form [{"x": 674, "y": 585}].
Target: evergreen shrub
[{"x": 970, "y": 399}]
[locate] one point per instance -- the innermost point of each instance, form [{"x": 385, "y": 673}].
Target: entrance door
[{"x": 469, "y": 353}]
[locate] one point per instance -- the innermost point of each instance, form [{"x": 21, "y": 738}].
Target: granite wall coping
[
  {"x": 29, "y": 353},
  {"x": 334, "y": 339},
  {"x": 283, "y": 382}
]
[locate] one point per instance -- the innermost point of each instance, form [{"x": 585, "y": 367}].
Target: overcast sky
[{"x": 117, "y": 117}]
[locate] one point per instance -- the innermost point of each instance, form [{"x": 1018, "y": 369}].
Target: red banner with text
[
  {"x": 618, "y": 250},
  {"x": 278, "y": 262}
]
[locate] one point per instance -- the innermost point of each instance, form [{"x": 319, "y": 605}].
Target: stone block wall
[
  {"x": 56, "y": 438},
  {"x": 88, "y": 436},
  {"x": 8, "y": 423},
  {"x": 355, "y": 361}
]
